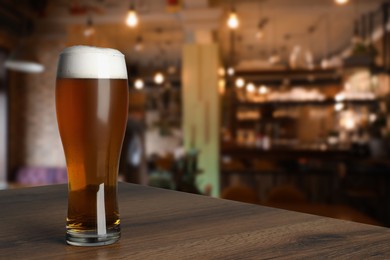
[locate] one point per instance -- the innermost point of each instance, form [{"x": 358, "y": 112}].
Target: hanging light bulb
[
  {"x": 341, "y": 2},
  {"x": 158, "y": 78},
  {"x": 139, "y": 46},
  {"x": 240, "y": 82},
  {"x": 89, "y": 29},
  {"x": 233, "y": 21},
  {"x": 139, "y": 84},
  {"x": 132, "y": 17},
  {"x": 260, "y": 28}
]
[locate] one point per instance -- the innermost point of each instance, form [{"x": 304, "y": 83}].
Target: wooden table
[{"x": 162, "y": 224}]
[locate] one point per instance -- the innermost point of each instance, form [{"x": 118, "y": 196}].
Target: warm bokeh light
[
  {"x": 230, "y": 71},
  {"x": 341, "y": 2},
  {"x": 339, "y": 97},
  {"x": 240, "y": 82},
  {"x": 233, "y": 21},
  {"x": 274, "y": 58},
  {"x": 89, "y": 29},
  {"x": 324, "y": 63},
  {"x": 263, "y": 90},
  {"x": 221, "y": 86},
  {"x": 250, "y": 87},
  {"x": 172, "y": 69},
  {"x": 221, "y": 72},
  {"x": 139, "y": 84},
  {"x": 158, "y": 78},
  {"x": 372, "y": 117},
  {"x": 339, "y": 106},
  {"x": 139, "y": 45},
  {"x": 132, "y": 18}
]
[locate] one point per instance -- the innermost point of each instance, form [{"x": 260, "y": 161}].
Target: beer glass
[{"x": 92, "y": 106}]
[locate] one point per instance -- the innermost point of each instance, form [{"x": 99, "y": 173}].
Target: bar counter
[{"x": 164, "y": 224}]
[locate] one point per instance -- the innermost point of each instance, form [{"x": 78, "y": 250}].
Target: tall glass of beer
[{"x": 92, "y": 105}]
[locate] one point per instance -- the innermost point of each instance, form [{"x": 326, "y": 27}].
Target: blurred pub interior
[{"x": 283, "y": 103}]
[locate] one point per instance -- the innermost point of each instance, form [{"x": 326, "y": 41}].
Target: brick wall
[{"x": 34, "y": 137}]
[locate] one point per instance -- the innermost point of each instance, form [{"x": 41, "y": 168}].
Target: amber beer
[{"x": 92, "y": 107}]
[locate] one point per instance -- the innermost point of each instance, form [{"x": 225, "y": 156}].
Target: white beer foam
[{"x": 87, "y": 62}]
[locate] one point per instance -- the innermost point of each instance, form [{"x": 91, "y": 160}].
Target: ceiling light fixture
[
  {"x": 24, "y": 60},
  {"x": 89, "y": 29},
  {"x": 341, "y": 2},
  {"x": 132, "y": 17},
  {"x": 27, "y": 66},
  {"x": 233, "y": 21},
  {"x": 139, "y": 45},
  {"x": 260, "y": 28}
]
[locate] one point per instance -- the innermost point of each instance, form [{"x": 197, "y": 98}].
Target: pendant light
[
  {"x": 341, "y": 2},
  {"x": 89, "y": 29},
  {"x": 233, "y": 21},
  {"x": 23, "y": 59},
  {"x": 132, "y": 17},
  {"x": 139, "y": 45},
  {"x": 325, "y": 61},
  {"x": 260, "y": 28},
  {"x": 22, "y": 63}
]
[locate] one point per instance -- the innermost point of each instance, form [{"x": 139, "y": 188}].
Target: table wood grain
[{"x": 162, "y": 224}]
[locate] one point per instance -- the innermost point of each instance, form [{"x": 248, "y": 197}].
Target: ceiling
[{"x": 163, "y": 32}]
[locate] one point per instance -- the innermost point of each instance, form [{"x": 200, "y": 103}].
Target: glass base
[{"x": 91, "y": 238}]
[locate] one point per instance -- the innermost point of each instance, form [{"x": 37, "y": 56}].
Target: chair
[
  {"x": 240, "y": 193},
  {"x": 286, "y": 193}
]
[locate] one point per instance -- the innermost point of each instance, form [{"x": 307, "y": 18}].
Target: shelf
[
  {"x": 286, "y": 72},
  {"x": 249, "y": 123},
  {"x": 278, "y": 83},
  {"x": 291, "y": 77},
  {"x": 326, "y": 102},
  {"x": 249, "y": 152}
]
